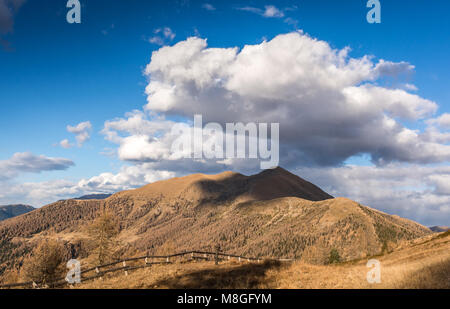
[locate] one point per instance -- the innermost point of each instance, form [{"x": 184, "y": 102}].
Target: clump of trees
[
  {"x": 103, "y": 231},
  {"x": 46, "y": 263},
  {"x": 334, "y": 257}
]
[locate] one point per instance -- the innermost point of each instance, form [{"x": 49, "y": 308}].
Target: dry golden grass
[
  {"x": 425, "y": 264},
  {"x": 191, "y": 275}
]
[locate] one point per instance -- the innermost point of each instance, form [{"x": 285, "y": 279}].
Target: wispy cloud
[
  {"x": 65, "y": 144},
  {"x": 269, "y": 11},
  {"x": 208, "y": 7},
  {"x": 272, "y": 11},
  {"x": 82, "y": 134},
  {"x": 162, "y": 36},
  {"x": 291, "y": 21},
  {"x": 108, "y": 30}
]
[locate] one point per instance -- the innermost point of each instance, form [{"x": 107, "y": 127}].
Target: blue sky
[{"x": 54, "y": 74}]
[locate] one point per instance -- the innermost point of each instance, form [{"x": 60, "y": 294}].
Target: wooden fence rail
[{"x": 100, "y": 271}]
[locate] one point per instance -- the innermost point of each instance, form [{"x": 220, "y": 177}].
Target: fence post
[
  {"x": 167, "y": 259},
  {"x": 97, "y": 271},
  {"x": 124, "y": 263},
  {"x": 239, "y": 259},
  {"x": 216, "y": 257}
]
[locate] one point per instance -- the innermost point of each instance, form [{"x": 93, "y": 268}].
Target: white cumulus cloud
[{"x": 328, "y": 104}]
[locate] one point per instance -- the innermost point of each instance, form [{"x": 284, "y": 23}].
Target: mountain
[
  {"x": 271, "y": 214},
  {"x": 438, "y": 229},
  {"x": 9, "y": 211},
  {"x": 99, "y": 196},
  {"x": 230, "y": 187}
]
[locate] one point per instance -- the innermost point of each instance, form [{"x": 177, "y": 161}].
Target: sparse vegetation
[{"x": 167, "y": 248}]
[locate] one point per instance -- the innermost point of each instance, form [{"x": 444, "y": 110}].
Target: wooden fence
[{"x": 149, "y": 260}]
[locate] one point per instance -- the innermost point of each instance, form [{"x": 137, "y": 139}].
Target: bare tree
[
  {"x": 46, "y": 262},
  {"x": 103, "y": 230}
]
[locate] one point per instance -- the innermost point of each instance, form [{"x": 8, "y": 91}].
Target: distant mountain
[
  {"x": 438, "y": 229},
  {"x": 93, "y": 197},
  {"x": 9, "y": 211}
]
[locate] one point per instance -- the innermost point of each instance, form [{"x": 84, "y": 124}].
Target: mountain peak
[
  {"x": 275, "y": 170},
  {"x": 233, "y": 187},
  {"x": 278, "y": 182}
]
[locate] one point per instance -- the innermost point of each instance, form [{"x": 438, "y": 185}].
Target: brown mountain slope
[
  {"x": 274, "y": 213},
  {"x": 229, "y": 186}
]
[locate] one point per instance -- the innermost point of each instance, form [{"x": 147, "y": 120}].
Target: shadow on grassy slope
[
  {"x": 435, "y": 276},
  {"x": 247, "y": 276}
]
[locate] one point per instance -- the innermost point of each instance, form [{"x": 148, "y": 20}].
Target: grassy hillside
[
  {"x": 272, "y": 214},
  {"x": 423, "y": 263}
]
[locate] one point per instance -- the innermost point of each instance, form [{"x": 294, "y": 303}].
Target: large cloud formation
[{"x": 328, "y": 104}]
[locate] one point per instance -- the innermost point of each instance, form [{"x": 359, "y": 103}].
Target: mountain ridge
[
  {"x": 13, "y": 210},
  {"x": 243, "y": 188}
]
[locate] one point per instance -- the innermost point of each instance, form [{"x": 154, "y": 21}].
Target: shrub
[{"x": 334, "y": 257}]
